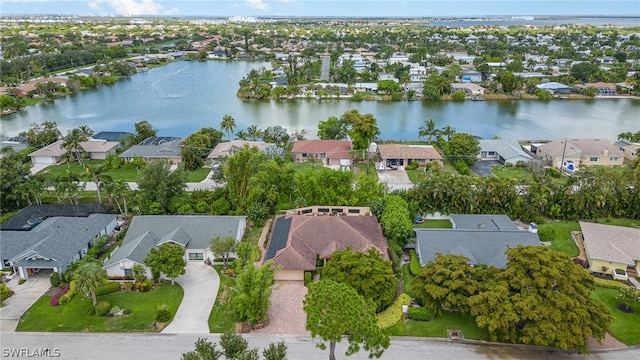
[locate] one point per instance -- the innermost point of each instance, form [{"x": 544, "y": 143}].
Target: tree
[
  {"x": 139, "y": 273},
  {"x": 627, "y": 295},
  {"x": 144, "y": 130},
  {"x": 335, "y": 310},
  {"x": 197, "y": 146},
  {"x": 363, "y": 128},
  {"x": 396, "y": 221},
  {"x": 252, "y": 292},
  {"x": 508, "y": 81},
  {"x": 368, "y": 273},
  {"x": 239, "y": 168},
  {"x": 88, "y": 277},
  {"x": 222, "y": 246},
  {"x": 205, "y": 350},
  {"x": 14, "y": 172},
  {"x": 98, "y": 176},
  {"x": 447, "y": 131},
  {"x": 584, "y": 71},
  {"x": 541, "y": 298},
  {"x": 159, "y": 184},
  {"x": 446, "y": 283},
  {"x": 463, "y": 146},
  {"x": 72, "y": 144},
  {"x": 233, "y": 345},
  {"x": 428, "y": 130},
  {"x": 246, "y": 253},
  {"x": 459, "y": 95},
  {"x": 332, "y": 129},
  {"x": 41, "y": 135},
  {"x": 228, "y": 124},
  {"x": 276, "y": 134},
  {"x": 254, "y": 133},
  {"x": 168, "y": 259}
]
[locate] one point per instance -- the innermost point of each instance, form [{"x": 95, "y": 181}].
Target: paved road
[
  {"x": 200, "y": 284},
  {"x": 136, "y": 346},
  {"x": 23, "y": 297}
]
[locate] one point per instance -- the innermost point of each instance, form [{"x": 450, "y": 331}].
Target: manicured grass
[
  {"x": 6, "y": 216},
  {"x": 620, "y": 222},
  {"x": 448, "y": 320},
  {"x": 503, "y": 172},
  {"x": 221, "y": 318},
  {"x": 198, "y": 174},
  {"x": 626, "y": 327},
  {"x": 122, "y": 173},
  {"x": 563, "y": 242},
  {"x": 434, "y": 224},
  {"x": 74, "y": 316},
  {"x": 406, "y": 277},
  {"x": 416, "y": 175}
]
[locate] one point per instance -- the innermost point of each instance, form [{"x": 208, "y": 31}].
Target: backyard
[{"x": 74, "y": 316}]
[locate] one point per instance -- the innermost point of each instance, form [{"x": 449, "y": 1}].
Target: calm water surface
[{"x": 182, "y": 97}]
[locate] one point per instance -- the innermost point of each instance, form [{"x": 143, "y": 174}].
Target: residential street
[{"x": 136, "y": 346}]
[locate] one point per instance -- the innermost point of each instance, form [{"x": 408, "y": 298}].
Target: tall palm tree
[
  {"x": 72, "y": 144},
  {"x": 118, "y": 189},
  {"x": 448, "y": 131},
  {"x": 228, "y": 124},
  {"x": 242, "y": 135},
  {"x": 428, "y": 130},
  {"x": 254, "y": 132},
  {"x": 88, "y": 277},
  {"x": 98, "y": 176}
]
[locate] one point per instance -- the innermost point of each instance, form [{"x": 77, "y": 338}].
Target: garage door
[{"x": 43, "y": 160}]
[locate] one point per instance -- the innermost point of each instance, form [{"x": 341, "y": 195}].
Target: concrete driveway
[
  {"x": 23, "y": 297},
  {"x": 395, "y": 179},
  {"x": 482, "y": 168},
  {"x": 200, "y": 284}
]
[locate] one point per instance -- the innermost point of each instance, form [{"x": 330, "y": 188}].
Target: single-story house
[
  {"x": 53, "y": 243},
  {"x": 330, "y": 152},
  {"x": 193, "y": 232},
  {"x": 471, "y": 76},
  {"x": 399, "y": 154},
  {"x": 153, "y": 148},
  {"x": 32, "y": 86},
  {"x": 298, "y": 242},
  {"x": 610, "y": 248},
  {"x": 604, "y": 89},
  {"x": 53, "y": 153},
  {"x": 16, "y": 143},
  {"x": 556, "y": 88},
  {"x": 225, "y": 149},
  {"x": 469, "y": 88},
  {"x": 506, "y": 151},
  {"x": 483, "y": 239},
  {"x": 583, "y": 152},
  {"x": 629, "y": 149}
]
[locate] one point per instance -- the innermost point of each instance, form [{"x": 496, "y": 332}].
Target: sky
[{"x": 346, "y": 8}]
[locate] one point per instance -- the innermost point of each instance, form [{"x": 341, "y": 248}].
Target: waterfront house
[
  {"x": 167, "y": 148},
  {"x": 583, "y": 152},
  {"x": 609, "y": 248},
  {"x": 471, "y": 76},
  {"x": 604, "y": 89},
  {"x": 226, "y": 149},
  {"x": 506, "y": 151},
  {"x": 629, "y": 149},
  {"x": 556, "y": 88},
  {"x": 399, "y": 154},
  {"x": 16, "y": 143},
  {"x": 94, "y": 149},
  {"x": 332, "y": 153},
  {"x": 469, "y": 88}
]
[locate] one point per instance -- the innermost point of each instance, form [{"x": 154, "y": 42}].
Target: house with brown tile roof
[
  {"x": 399, "y": 154},
  {"x": 610, "y": 247},
  {"x": 584, "y": 152},
  {"x": 330, "y": 152},
  {"x": 298, "y": 242},
  {"x": 53, "y": 153}
]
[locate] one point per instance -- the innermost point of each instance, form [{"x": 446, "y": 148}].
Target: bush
[
  {"x": 144, "y": 286},
  {"x": 163, "y": 315},
  {"x": 414, "y": 265},
  {"x": 233, "y": 345},
  {"x": 108, "y": 288},
  {"x": 126, "y": 311},
  {"x": 5, "y": 292},
  {"x": 55, "y": 279},
  {"x": 55, "y": 298},
  {"x": 103, "y": 307},
  {"x": 91, "y": 311},
  {"x": 547, "y": 233},
  {"x": 54, "y": 301},
  {"x": 554, "y": 173},
  {"x": 609, "y": 284},
  {"x": 21, "y": 281},
  {"x": 420, "y": 313},
  {"x": 127, "y": 286},
  {"x": 458, "y": 95},
  {"x": 307, "y": 278},
  {"x": 393, "y": 313},
  {"x": 462, "y": 167},
  {"x": 114, "y": 310}
]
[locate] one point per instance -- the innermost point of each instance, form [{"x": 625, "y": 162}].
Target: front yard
[
  {"x": 626, "y": 327},
  {"x": 74, "y": 316},
  {"x": 221, "y": 318}
]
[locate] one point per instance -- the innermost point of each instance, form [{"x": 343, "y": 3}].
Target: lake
[{"x": 182, "y": 97}]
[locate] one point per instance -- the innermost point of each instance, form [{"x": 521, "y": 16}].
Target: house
[
  {"x": 299, "y": 242},
  {"x": 398, "y": 154},
  {"x": 610, "y": 248},
  {"x": 50, "y": 243},
  {"x": 95, "y": 150},
  {"x": 556, "y": 88},
  {"x": 506, "y": 151},
  {"x": 483, "y": 239},
  {"x": 583, "y": 152},
  {"x": 16, "y": 143},
  {"x": 153, "y": 148},
  {"x": 193, "y": 232},
  {"x": 604, "y": 89},
  {"x": 225, "y": 149},
  {"x": 469, "y": 88},
  {"x": 111, "y": 135},
  {"x": 471, "y": 76},
  {"x": 629, "y": 149},
  {"x": 332, "y": 153}
]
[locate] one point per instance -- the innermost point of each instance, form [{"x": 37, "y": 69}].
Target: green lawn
[
  {"x": 363, "y": 168},
  {"x": 406, "y": 277},
  {"x": 626, "y": 327},
  {"x": 563, "y": 242},
  {"x": 221, "y": 317},
  {"x": 74, "y": 316},
  {"x": 198, "y": 174},
  {"x": 124, "y": 174},
  {"x": 503, "y": 172},
  {"x": 448, "y": 320},
  {"x": 434, "y": 224},
  {"x": 416, "y": 175}
]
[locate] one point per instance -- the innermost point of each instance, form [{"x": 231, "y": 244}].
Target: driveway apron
[
  {"x": 23, "y": 297},
  {"x": 200, "y": 284}
]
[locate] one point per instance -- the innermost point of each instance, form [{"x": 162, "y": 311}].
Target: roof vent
[{"x": 482, "y": 226}]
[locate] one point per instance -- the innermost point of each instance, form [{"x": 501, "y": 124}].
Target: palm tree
[
  {"x": 448, "y": 131},
  {"x": 428, "y": 130},
  {"x": 71, "y": 143},
  {"x": 88, "y": 277},
  {"x": 242, "y": 135},
  {"x": 118, "y": 189},
  {"x": 228, "y": 124},
  {"x": 97, "y": 175},
  {"x": 254, "y": 132}
]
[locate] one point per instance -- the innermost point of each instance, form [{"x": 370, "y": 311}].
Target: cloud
[
  {"x": 256, "y": 4},
  {"x": 133, "y": 7},
  {"x": 94, "y": 6}
]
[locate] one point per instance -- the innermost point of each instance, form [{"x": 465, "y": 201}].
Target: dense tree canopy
[
  {"x": 159, "y": 185},
  {"x": 197, "y": 146},
  {"x": 363, "y": 128},
  {"x": 253, "y": 288},
  {"x": 332, "y": 129},
  {"x": 167, "y": 259},
  {"x": 144, "y": 130},
  {"x": 41, "y": 135},
  {"x": 14, "y": 170}
]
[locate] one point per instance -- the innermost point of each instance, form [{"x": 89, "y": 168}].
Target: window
[
  {"x": 196, "y": 256},
  {"x": 594, "y": 159},
  {"x": 128, "y": 272},
  {"x": 614, "y": 158},
  {"x": 492, "y": 153}
]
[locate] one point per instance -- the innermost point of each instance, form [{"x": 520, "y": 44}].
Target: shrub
[
  {"x": 91, "y": 311},
  {"x": 554, "y": 173},
  {"x": 163, "y": 315},
  {"x": 233, "y": 345},
  {"x": 126, "y": 311},
  {"x": 420, "y": 313},
  {"x": 5, "y": 292},
  {"x": 547, "y": 233},
  {"x": 108, "y": 288},
  {"x": 609, "y": 284},
  {"x": 414, "y": 265},
  {"x": 55, "y": 298},
  {"x": 393, "y": 313},
  {"x": 55, "y": 279},
  {"x": 127, "y": 286},
  {"x": 458, "y": 95},
  {"x": 307, "y": 278},
  {"x": 144, "y": 286},
  {"x": 54, "y": 301},
  {"x": 103, "y": 307},
  {"x": 21, "y": 281}
]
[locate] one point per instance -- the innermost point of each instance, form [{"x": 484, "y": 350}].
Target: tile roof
[
  {"x": 164, "y": 150},
  {"x": 586, "y": 147},
  {"x": 309, "y": 237},
  {"x": 399, "y": 151},
  {"x": 225, "y": 148},
  {"x": 332, "y": 148},
  {"x": 91, "y": 146},
  {"x": 611, "y": 243}
]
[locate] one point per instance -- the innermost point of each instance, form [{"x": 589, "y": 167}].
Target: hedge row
[
  {"x": 609, "y": 284},
  {"x": 414, "y": 265},
  {"x": 67, "y": 297},
  {"x": 108, "y": 288},
  {"x": 420, "y": 313},
  {"x": 393, "y": 313}
]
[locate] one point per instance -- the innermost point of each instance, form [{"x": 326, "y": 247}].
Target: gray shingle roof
[
  {"x": 506, "y": 148},
  {"x": 164, "y": 150},
  {"x": 483, "y": 222}
]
